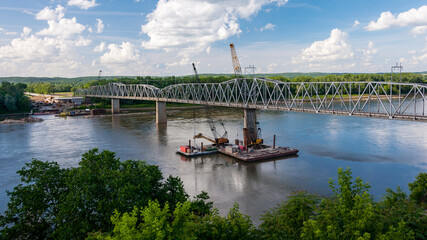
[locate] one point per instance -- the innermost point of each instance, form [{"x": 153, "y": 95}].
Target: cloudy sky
[{"x": 72, "y": 38}]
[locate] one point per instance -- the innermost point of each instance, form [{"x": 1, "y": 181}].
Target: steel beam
[{"x": 376, "y": 99}]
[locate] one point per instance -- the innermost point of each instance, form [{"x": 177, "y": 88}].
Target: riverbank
[
  {"x": 22, "y": 120},
  {"x": 14, "y": 115}
]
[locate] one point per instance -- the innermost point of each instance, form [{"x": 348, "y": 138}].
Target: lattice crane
[
  {"x": 195, "y": 73},
  {"x": 236, "y": 65}
]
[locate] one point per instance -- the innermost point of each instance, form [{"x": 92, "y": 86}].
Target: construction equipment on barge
[
  {"x": 194, "y": 151},
  {"x": 252, "y": 154},
  {"x": 252, "y": 148}
]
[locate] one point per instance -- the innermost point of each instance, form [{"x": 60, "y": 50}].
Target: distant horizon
[{"x": 201, "y": 74}]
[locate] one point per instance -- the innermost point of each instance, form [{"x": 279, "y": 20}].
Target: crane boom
[
  {"x": 236, "y": 65},
  {"x": 195, "y": 73}
]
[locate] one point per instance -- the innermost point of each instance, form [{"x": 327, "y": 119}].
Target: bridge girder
[{"x": 375, "y": 99}]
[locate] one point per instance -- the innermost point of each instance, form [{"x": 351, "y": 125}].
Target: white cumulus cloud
[
  {"x": 268, "y": 26},
  {"x": 50, "y": 14},
  {"x": 99, "y": 25},
  {"x": 100, "y": 48},
  {"x": 419, "y": 30},
  {"x": 190, "y": 26},
  {"x": 82, "y": 42},
  {"x": 368, "y": 53},
  {"x": 64, "y": 28},
  {"x": 120, "y": 54},
  {"x": 25, "y": 32},
  {"x": 30, "y": 49},
  {"x": 58, "y": 25},
  {"x": 412, "y": 17},
  {"x": 52, "y": 50},
  {"x": 333, "y": 48},
  {"x": 83, "y": 4}
]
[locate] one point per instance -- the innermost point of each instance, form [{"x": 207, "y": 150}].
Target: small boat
[
  {"x": 63, "y": 114},
  {"x": 71, "y": 114},
  {"x": 191, "y": 151}
]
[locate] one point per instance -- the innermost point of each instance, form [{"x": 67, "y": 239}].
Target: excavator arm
[
  {"x": 202, "y": 136},
  {"x": 216, "y": 141}
]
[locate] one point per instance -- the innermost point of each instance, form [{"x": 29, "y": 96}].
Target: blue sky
[{"x": 72, "y": 38}]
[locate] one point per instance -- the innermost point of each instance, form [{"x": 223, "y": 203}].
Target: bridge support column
[
  {"x": 115, "y": 106},
  {"x": 250, "y": 124},
  {"x": 161, "y": 116}
]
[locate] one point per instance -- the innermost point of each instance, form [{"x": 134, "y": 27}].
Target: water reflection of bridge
[{"x": 371, "y": 99}]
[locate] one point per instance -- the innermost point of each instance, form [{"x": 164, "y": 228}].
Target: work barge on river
[
  {"x": 244, "y": 153},
  {"x": 251, "y": 149}
]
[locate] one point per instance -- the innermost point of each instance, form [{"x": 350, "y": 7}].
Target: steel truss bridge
[{"x": 371, "y": 99}]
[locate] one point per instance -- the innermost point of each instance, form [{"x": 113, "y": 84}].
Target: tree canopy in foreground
[{"x": 105, "y": 198}]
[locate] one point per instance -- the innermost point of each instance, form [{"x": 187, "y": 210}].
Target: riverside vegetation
[
  {"x": 105, "y": 198},
  {"x": 55, "y": 85},
  {"x": 12, "y": 98},
  {"x": 52, "y": 85}
]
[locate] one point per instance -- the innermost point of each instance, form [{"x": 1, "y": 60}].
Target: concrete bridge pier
[
  {"x": 250, "y": 123},
  {"x": 161, "y": 116},
  {"x": 115, "y": 106}
]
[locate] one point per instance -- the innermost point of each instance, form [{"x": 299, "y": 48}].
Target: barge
[
  {"x": 266, "y": 152},
  {"x": 192, "y": 151},
  {"x": 248, "y": 150}
]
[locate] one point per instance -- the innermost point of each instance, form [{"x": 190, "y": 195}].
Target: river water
[{"x": 385, "y": 153}]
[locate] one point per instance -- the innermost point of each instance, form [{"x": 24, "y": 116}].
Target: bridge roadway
[{"x": 390, "y": 100}]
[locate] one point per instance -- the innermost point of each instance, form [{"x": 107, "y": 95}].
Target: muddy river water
[{"x": 385, "y": 153}]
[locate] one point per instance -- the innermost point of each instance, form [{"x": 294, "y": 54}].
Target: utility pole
[
  {"x": 250, "y": 70},
  {"x": 397, "y": 68}
]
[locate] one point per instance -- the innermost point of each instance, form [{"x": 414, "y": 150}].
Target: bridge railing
[{"x": 381, "y": 99}]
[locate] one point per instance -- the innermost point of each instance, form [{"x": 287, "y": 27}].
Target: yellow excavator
[
  {"x": 259, "y": 139},
  {"x": 217, "y": 141}
]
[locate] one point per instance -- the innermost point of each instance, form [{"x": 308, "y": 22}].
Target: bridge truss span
[{"x": 372, "y": 99}]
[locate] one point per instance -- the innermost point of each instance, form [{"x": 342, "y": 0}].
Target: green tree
[
  {"x": 350, "y": 214},
  {"x": 12, "y": 98},
  {"x": 397, "y": 211},
  {"x": 69, "y": 203},
  {"x": 418, "y": 189},
  {"x": 33, "y": 204},
  {"x": 234, "y": 226},
  {"x": 286, "y": 220},
  {"x": 153, "y": 222},
  {"x": 200, "y": 206}
]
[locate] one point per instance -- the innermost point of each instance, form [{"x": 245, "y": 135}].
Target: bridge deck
[{"x": 368, "y": 99}]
